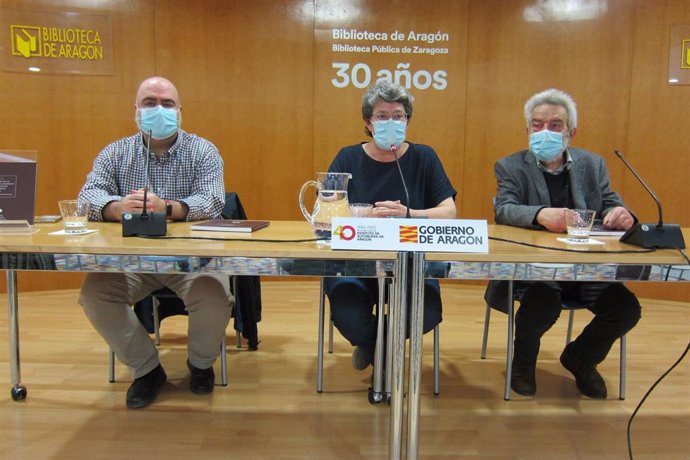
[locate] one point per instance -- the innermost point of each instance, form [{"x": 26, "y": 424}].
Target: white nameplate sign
[{"x": 420, "y": 235}]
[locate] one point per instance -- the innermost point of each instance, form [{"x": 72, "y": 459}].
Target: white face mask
[
  {"x": 547, "y": 145},
  {"x": 388, "y": 133},
  {"x": 160, "y": 121}
]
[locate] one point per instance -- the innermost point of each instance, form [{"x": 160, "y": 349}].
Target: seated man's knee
[
  {"x": 88, "y": 293},
  {"x": 542, "y": 299},
  {"x": 208, "y": 290},
  {"x": 622, "y": 306},
  {"x": 99, "y": 288},
  {"x": 540, "y": 308}
]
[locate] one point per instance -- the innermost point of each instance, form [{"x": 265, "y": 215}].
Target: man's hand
[
  {"x": 553, "y": 219},
  {"x": 134, "y": 202},
  {"x": 618, "y": 218}
]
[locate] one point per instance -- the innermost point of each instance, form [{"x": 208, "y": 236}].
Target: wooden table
[{"x": 274, "y": 251}]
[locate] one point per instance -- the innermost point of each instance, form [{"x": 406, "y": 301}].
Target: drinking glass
[
  {"x": 579, "y": 224},
  {"x": 75, "y": 215}
]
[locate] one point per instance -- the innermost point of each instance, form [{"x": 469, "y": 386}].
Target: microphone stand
[
  {"x": 394, "y": 150},
  {"x": 658, "y": 235},
  {"x": 144, "y": 223},
  {"x": 144, "y": 211}
]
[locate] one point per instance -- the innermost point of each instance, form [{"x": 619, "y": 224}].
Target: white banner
[{"x": 419, "y": 235}]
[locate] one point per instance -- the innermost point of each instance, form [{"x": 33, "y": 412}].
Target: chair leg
[
  {"x": 223, "y": 363},
  {"x": 237, "y": 312},
  {"x": 485, "y": 337},
  {"x": 111, "y": 366},
  {"x": 223, "y": 347},
  {"x": 379, "y": 350},
  {"x": 330, "y": 333},
  {"x": 509, "y": 346},
  {"x": 623, "y": 359},
  {"x": 319, "y": 351},
  {"x": 389, "y": 343},
  {"x": 571, "y": 320},
  {"x": 156, "y": 321},
  {"x": 437, "y": 346}
]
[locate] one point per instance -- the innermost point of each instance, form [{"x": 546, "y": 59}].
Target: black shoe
[
  {"x": 522, "y": 379},
  {"x": 202, "y": 381},
  {"x": 362, "y": 358},
  {"x": 145, "y": 389},
  {"x": 587, "y": 378}
]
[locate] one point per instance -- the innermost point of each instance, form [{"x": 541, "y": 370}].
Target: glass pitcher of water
[{"x": 331, "y": 201}]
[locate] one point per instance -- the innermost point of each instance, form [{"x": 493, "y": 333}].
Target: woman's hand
[{"x": 388, "y": 209}]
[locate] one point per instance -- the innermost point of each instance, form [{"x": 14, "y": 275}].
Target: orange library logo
[
  {"x": 409, "y": 234},
  {"x": 26, "y": 41}
]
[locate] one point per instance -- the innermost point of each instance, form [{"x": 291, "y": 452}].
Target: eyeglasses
[{"x": 386, "y": 117}]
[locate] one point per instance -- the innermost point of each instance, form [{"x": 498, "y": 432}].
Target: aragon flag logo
[{"x": 409, "y": 234}]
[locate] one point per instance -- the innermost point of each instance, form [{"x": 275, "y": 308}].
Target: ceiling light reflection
[
  {"x": 337, "y": 10},
  {"x": 565, "y": 10}
]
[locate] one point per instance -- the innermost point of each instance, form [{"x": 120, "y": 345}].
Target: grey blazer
[{"x": 522, "y": 192}]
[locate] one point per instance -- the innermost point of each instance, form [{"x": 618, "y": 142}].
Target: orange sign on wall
[{"x": 55, "y": 43}]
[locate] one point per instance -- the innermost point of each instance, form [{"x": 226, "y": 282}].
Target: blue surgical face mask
[
  {"x": 162, "y": 122},
  {"x": 389, "y": 132},
  {"x": 546, "y": 145}
]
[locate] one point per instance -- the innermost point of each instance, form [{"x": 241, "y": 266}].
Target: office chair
[
  {"x": 376, "y": 393},
  {"x": 570, "y": 307}
]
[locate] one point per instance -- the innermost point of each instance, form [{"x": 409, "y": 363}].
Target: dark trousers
[
  {"x": 616, "y": 311},
  {"x": 352, "y": 303}
]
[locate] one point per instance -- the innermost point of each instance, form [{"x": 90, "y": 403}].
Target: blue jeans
[{"x": 352, "y": 307}]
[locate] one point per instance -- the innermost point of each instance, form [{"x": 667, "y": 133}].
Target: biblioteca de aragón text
[{"x": 411, "y": 37}]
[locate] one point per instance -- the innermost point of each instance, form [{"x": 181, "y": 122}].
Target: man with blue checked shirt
[{"x": 184, "y": 179}]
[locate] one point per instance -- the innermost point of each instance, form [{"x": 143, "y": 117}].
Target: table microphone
[
  {"x": 394, "y": 150},
  {"x": 145, "y": 223},
  {"x": 658, "y": 235}
]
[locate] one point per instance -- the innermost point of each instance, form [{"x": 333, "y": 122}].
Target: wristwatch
[{"x": 168, "y": 208}]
